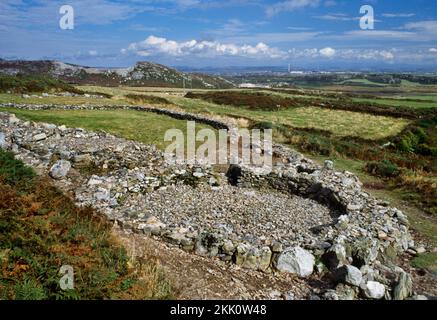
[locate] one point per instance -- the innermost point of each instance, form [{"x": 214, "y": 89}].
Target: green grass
[
  {"x": 364, "y": 82},
  {"x": 340, "y": 123},
  {"x": 41, "y": 230},
  {"x": 398, "y": 103},
  {"x": 426, "y": 261},
  {"x": 14, "y": 98},
  {"x": 146, "y": 127}
]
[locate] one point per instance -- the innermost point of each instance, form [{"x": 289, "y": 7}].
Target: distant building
[{"x": 252, "y": 85}]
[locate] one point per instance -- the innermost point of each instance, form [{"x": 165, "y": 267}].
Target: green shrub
[
  {"x": 33, "y": 83},
  {"x": 13, "y": 171},
  {"x": 384, "y": 169},
  {"x": 29, "y": 289},
  {"x": 263, "y": 125},
  {"x": 139, "y": 98}
]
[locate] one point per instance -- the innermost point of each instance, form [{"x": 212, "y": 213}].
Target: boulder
[
  {"x": 265, "y": 259},
  {"x": 251, "y": 260},
  {"x": 328, "y": 165},
  {"x": 373, "y": 290},
  {"x": 60, "y": 169},
  {"x": 39, "y": 137},
  {"x": 404, "y": 287},
  {"x": 241, "y": 253},
  {"x": 350, "y": 275},
  {"x": 297, "y": 261},
  {"x": 2, "y": 140}
]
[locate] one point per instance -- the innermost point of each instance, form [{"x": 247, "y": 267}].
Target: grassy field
[
  {"x": 362, "y": 82},
  {"x": 145, "y": 127},
  {"x": 399, "y": 102},
  {"x": 340, "y": 123},
  {"x": 13, "y": 98}
]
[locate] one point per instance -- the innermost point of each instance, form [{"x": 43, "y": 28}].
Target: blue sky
[{"x": 199, "y": 33}]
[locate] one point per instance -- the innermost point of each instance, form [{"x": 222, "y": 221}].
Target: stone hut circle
[{"x": 301, "y": 218}]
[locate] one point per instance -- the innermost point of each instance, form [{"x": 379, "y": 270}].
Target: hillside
[{"x": 142, "y": 74}]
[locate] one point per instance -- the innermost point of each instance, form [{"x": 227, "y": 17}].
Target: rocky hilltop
[
  {"x": 142, "y": 74},
  {"x": 300, "y": 219}
]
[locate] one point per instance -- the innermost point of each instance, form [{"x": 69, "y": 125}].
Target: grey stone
[
  {"x": 374, "y": 290},
  {"x": 345, "y": 292},
  {"x": 60, "y": 169},
  {"x": 102, "y": 194},
  {"x": 2, "y": 140},
  {"x": 152, "y": 226},
  {"x": 404, "y": 287},
  {"x": 13, "y": 119},
  {"x": 241, "y": 253},
  {"x": 251, "y": 260},
  {"x": 228, "y": 247},
  {"x": 277, "y": 247},
  {"x": 328, "y": 165},
  {"x": 265, "y": 259},
  {"x": 82, "y": 160},
  {"x": 39, "y": 137},
  {"x": 330, "y": 295},
  {"x": 297, "y": 261},
  {"x": 350, "y": 275}
]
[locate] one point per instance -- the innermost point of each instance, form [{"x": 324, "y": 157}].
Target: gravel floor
[{"x": 240, "y": 214}]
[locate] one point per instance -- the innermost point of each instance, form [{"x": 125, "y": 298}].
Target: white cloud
[
  {"x": 290, "y": 5},
  {"x": 161, "y": 46},
  {"x": 398, "y": 15},
  {"x": 327, "y": 52},
  {"x": 429, "y": 26},
  {"x": 433, "y": 50},
  {"x": 379, "y": 35},
  {"x": 337, "y": 17},
  {"x": 93, "y": 53}
]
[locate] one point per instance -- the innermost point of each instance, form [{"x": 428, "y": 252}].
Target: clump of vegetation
[
  {"x": 263, "y": 125},
  {"x": 147, "y": 99},
  {"x": 250, "y": 100},
  {"x": 34, "y": 83},
  {"x": 419, "y": 138},
  {"x": 42, "y": 230},
  {"x": 426, "y": 261},
  {"x": 383, "y": 169}
]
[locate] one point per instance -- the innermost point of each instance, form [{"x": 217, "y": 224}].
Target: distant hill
[{"x": 142, "y": 74}]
